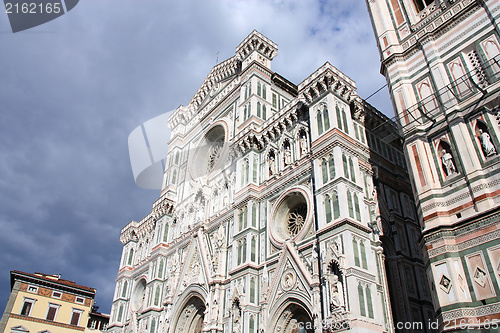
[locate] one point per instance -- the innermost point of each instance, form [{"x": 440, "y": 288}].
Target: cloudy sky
[{"x": 73, "y": 89}]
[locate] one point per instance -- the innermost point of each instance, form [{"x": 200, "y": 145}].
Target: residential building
[
  {"x": 46, "y": 303},
  {"x": 441, "y": 60},
  {"x": 284, "y": 208}
]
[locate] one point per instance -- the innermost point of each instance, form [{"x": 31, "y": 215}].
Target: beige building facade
[{"x": 46, "y": 303}]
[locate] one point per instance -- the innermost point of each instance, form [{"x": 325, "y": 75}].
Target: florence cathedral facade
[{"x": 284, "y": 208}]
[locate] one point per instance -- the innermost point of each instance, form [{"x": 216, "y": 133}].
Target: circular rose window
[
  {"x": 291, "y": 216},
  {"x": 209, "y": 152}
]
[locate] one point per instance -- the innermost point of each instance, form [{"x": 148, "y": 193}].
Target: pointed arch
[
  {"x": 328, "y": 209},
  {"x": 324, "y": 171}
]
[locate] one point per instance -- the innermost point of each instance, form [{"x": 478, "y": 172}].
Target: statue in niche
[
  {"x": 488, "y": 147},
  {"x": 272, "y": 165},
  {"x": 448, "y": 164},
  {"x": 336, "y": 291},
  {"x": 287, "y": 155},
  {"x": 303, "y": 145}
]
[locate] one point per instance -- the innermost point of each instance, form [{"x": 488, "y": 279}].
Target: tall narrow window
[
  {"x": 240, "y": 220},
  {"x": 275, "y": 101},
  {"x": 369, "y": 302},
  {"x": 326, "y": 119},
  {"x": 339, "y": 118},
  {"x": 259, "y": 113},
  {"x": 259, "y": 89},
  {"x": 363, "y": 254},
  {"x": 356, "y": 251},
  {"x": 246, "y": 92},
  {"x": 361, "y": 296},
  {"x": 252, "y": 290},
  {"x": 157, "y": 296},
  {"x": 174, "y": 177},
  {"x": 356, "y": 132},
  {"x": 165, "y": 232},
  {"x": 251, "y": 325},
  {"x": 245, "y": 217},
  {"x": 351, "y": 169},
  {"x": 344, "y": 117},
  {"x": 331, "y": 167},
  {"x": 328, "y": 209},
  {"x": 356, "y": 208},
  {"x": 240, "y": 250},
  {"x": 245, "y": 113},
  {"x": 130, "y": 256},
  {"x": 153, "y": 326},
  {"x": 320, "y": 122},
  {"x": 264, "y": 92},
  {"x": 249, "y": 89},
  {"x": 264, "y": 111},
  {"x": 350, "y": 205},
  {"x": 124, "y": 290},
  {"x": 120, "y": 313},
  {"x": 336, "y": 208},
  {"x": 346, "y": 170},
  {"x": 253, "y": 250},
  {"x": 255, "y": 169},
  {"x": 247, "y": 171},
  {"x": 160, "y": 269},
  {"x": 324, "y": 171},
  {"x": 244, "y": 252}
]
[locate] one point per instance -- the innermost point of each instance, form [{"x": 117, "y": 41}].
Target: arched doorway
[
  {"x": 190, "y": 319},
  {"x": 295, "y": 319}
]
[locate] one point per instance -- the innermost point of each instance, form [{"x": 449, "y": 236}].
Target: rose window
[{"x": 296, "y": 219}]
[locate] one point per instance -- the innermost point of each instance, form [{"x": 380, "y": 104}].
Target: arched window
[
  {"x": 331, "y": 167},
  {"x": 249, "y": 89},
  {"x": 253, "y": 253},
  {"x": 251, "y": 324},
  {"x": 120, "y": 313},
  {"x": 361, "y": 296},
  {"x": 244, "y": 252},
  {"x": 324, "y": 171},
  {"x": 264, "y": 116},
  {"x": 264, "y": 93},
  {"x": 165, "y": 232},
  {"x": 252, "y": 290},
  {"x": 320, "y": 122},
  {"x": 259, "y": 110},
  {"x": 124, "y": 289},
  {"x": 160, "y": 269},
  {"x": 339, "y": 118},
  {"x": 240, "y": 251},
  {"x": 157, "y": 296},
  {"x": 328, "y": 209},
  {"x": 174, "y": 177},
  {"x": 176, "y": 158},
  {"x": 369, "y": 302},
  {"x": 350, "y": 205},
  {"x": 346, "y": 170},
  {"x": 356, "y": 208},
  {"x": 355, "y": 249},
  {"x": 254, "y": 215},
  {"x": 245, "y": 113},
  {"x": 356, "y": 132},
  {"x": 351, "y": 168},
  {"x": 363, "y": 254},
  {"x": 326, "y": 118},
  {"x": 259, "y": 89},
  {"x": 153, "y": 326},
  {"x": 255, "y": 169},
  {"x": 344, "y": 117},
  {"x": 130, "y": 256},
  {"x": 336, "y": 208},
  {"x": 246, "y": 92}
]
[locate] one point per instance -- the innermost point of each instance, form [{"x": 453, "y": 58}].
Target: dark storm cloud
[{"x": 73, "y": 89}]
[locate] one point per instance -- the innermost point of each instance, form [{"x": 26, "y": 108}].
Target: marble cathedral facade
[
  {"x": 285, "y": 208},
  {"x": 441, "y": 60}
]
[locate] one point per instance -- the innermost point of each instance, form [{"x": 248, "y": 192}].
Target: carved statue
[
  {"x": 288, "y": 155},
  {"x": 272, "y": 165},
  {"x": 303, "y": 145},
  {"x": 336, "y": 291},
  {"x": 447, "y": 161},
  {"x": 488, "y": 147}
]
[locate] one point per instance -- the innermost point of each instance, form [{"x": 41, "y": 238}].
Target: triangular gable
[
  {"x": 195, "y": 268},
  {"x": 291, "y": 274}
]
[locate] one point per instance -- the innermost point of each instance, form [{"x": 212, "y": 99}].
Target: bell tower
[{"x": 441, "y": 60}]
